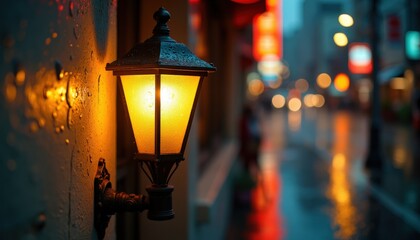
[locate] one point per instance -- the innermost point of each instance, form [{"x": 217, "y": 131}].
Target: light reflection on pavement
[{"x": 312, "y": 184}]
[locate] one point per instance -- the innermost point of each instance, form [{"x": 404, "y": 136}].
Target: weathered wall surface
[{"x": 57, "y": 115}]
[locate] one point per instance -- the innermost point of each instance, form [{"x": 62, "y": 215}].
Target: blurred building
[
  {"x": 311, "y": 50},
  {"x": 398, "y": 74}
]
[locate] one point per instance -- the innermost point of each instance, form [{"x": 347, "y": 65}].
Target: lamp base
[{"x": 160, "y": 203}]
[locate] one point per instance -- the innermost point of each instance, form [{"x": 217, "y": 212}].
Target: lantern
[{"x": 161, "y": 80}]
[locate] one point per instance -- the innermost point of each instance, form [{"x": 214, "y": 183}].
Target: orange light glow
[
  {"x": 294, "y": 104},
  {"x": 265, "y": 199},
  {"x": 177, "y": 98},
  {"x": 20, "y": 77},
  {"x": 307, "y": 100},
  {"x": 342, "y": 82},
  {"x": 256, "y": 87},
  {"x": 318, "y": 100},
  {"x": 323, "y": 80},
  {"x": 278, "y": 101}
]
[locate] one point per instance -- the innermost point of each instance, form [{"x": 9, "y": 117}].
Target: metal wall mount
[{"x": 107, "y": 201}]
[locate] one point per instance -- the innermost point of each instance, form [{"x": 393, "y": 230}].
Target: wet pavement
[{"x": 312, "y": 183}]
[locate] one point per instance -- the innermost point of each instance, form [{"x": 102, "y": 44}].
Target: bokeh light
[
  {"x": 341, "y": 82},
  {"x": 275, "y": 84},
  {"x": 340, "y": 39},
  {"x": 256, "y": 87},
  {"x": 323, "y": 80},
  {"x": 302, "y": 85},
  {"x": 314, "y": 100},
  {"x": 307, "y": 100},
  {"x": 318, "y": 100},
  {"x": 294, "y": 104},
  {"x": 345, "y": 20},
  {"x": 278, "y": 101}
]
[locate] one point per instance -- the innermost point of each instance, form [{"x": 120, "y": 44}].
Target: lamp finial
[{"x": 161, "y": 17}]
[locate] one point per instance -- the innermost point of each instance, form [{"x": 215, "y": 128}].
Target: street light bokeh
[
  {"x": 340, "y": 39},
  {"x": 345, "y": 20}
]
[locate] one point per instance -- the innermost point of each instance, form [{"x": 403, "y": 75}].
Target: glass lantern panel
[
  {"x": 177, "y": 98},
  {"x": 139, "y": 92}
]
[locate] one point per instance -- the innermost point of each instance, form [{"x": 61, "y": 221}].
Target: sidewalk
[{"x": 313, "y": 185}]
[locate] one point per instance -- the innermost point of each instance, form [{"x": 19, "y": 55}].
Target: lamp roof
[{"x": 160, "y": 51}]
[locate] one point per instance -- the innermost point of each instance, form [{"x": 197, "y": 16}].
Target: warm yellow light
[
  {"x": 294, "y": 104},
  {"x": 339, "y": 161},
  {"x": 341, "y": 82},
  {"x": 345, "y": 20},
  {"x": 176, "y": 102},
  {"x": 318, "y": 100},
  {"x": 278, "y": 101},
  {"x": 398, "y": 83},
  {"x": 256, "y": 87},
  {"x": 307, "y": 100},
  {"x": 340, "y": 39},
  {"x": 20, "y": 77},
  {"x": 323, "y": 80}
]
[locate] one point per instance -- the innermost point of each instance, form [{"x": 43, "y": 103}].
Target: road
[{"x": 312, "y": 183}]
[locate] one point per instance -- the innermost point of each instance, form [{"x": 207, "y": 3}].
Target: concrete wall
[{"x": 53, "y": 130}]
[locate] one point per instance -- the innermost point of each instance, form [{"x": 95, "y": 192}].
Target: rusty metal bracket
[{"x": 108, "y": 201}]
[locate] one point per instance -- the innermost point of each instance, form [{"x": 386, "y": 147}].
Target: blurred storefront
[{"x": 398, "y": 73}]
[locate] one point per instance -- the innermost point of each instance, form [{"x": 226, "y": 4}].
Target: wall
[{"x": 57, "y": 106}]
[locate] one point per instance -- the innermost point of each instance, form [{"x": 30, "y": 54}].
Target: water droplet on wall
[
  {"x": 41, "y": 122},
  {"x": 39, "y": 222},
  {"x": 20, "y": 77},
  {"x": 76, "y": 33},
  {"x": 67, "y": 141},
  {"x": 54, "y": 115},
  {"x": 10, "y": 92},
  {"x": 69, "y": 118},
  {"x": 47, "y": 92},
  {"x": 47, "y": 41},
  {"x": 59, "y": 71},
  {"x": 33, "y": 126},
  {"x": 10, "y": 88}
]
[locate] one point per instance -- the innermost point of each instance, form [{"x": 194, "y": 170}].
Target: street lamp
[{"x": 161, "y": 80}]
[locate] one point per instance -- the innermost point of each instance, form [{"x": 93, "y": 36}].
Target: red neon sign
[
  {"x": 267, "y": 38},
  {"x": 360, "y": 58}
]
